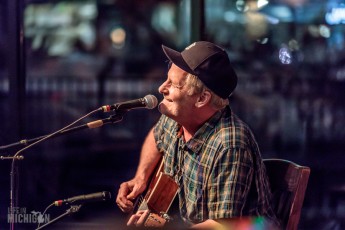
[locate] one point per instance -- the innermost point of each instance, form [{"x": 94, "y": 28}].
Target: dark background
[{"x": 60, "y": 60}]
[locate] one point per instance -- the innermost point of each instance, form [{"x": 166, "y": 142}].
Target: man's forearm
[{"x": 149, "y": 158}]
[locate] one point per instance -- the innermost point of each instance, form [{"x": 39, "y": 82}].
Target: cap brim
[{"x": 176, "y": 58}]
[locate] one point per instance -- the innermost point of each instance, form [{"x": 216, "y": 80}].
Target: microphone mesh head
[
  {"x": 106, "y": 195},
  {"x": 151, "y": 101}
]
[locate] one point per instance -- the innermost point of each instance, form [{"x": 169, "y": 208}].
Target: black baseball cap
[{"x": 209, "y": 62}]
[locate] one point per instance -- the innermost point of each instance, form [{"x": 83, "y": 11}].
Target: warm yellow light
[{"x": 118, "y": 37}]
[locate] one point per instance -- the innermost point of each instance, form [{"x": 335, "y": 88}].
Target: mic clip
[{"x": 118, "y": 116}]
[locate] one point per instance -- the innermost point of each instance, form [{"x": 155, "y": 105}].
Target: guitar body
[{"x": 158, "y": 197}]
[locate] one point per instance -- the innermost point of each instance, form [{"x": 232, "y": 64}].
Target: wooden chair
[{"x": 288, "y": 182}]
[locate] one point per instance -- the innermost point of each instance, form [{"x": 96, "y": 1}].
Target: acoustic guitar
[{"x": 158, "y": 198}]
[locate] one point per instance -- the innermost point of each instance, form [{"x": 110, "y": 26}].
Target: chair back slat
[{"x": 288, "y": 182}]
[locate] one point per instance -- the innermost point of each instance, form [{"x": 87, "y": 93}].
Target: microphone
[
  {"x": 98, "y": 196},
  {"x": 149, "y": 102}
]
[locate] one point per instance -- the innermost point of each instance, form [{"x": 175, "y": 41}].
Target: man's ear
[{"x": 203, "y": 99}]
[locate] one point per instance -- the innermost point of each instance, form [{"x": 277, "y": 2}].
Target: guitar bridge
[
  {"x": 166, "y": 216},
  {"x": 154, "y": 220}
]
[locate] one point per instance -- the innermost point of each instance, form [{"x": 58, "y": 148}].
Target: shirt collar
[{"x": 196, "y": 142}]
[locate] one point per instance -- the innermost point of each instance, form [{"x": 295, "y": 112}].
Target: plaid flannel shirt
[{"x": 219, "y": 170}]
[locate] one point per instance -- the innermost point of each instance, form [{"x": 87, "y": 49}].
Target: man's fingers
[
  {"x": 121, "y": 200},
  {"x": 137, "y": 189},
  {"x": 125, "y": 206},
  {"x": 138, "y": 218},
  {"x": 142, "y": 218},
  {"x": 124, "y": 190},
  {"x": 133, "y": 220},
  {"x": 127, "y": 193},
  {"x": 133, "y": 194}
]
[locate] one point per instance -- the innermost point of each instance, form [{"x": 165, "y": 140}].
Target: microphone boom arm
[{"x": 91, "y": 125}]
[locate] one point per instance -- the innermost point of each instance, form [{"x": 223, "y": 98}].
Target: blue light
[
  {"x": 285, "y": 56},
  {"x": 336, "y": 16}
]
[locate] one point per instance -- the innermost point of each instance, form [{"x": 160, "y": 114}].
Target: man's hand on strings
[
  {"x": 138, "y": 219},
  {"x": 128, "y": 191},
  {"x": 147, "y": 219}
]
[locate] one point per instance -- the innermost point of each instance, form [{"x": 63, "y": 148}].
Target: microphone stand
[
  {"x": 112, "y": 119},
  {"x": 71, "y": 210},
  {"x": 91, "y": 125}
]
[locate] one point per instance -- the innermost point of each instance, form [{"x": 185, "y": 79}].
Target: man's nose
[{"x": 162, "y": 88}]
